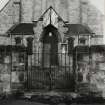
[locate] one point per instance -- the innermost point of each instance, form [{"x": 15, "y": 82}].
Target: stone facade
[
  {"x": 73, "y": 11},
  {"x": 27, "y": 11},
  {"x": 93, "y": 22},
  {"x": 91, "y": 71}
]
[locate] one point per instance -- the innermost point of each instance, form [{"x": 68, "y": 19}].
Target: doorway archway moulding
[{"x": 50, "y": 16}]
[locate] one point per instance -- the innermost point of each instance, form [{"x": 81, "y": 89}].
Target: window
[
  {"x": 64, "y": 47},
  {"x": 1, "y": 58},
  {"x": 82, "y": 41},
  {"x": 30, "y": 45},
  {"x": 21, "y": 58},
  {"x": 70, "y": 45},
  {"x": 80, "y": 57},
  {"x": 18, "y": 41}
]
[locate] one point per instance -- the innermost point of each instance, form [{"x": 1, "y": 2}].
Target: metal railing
[{"x": 47, "y": 72}]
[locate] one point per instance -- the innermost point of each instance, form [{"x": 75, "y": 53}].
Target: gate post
[{"x": 26, "y": 69}]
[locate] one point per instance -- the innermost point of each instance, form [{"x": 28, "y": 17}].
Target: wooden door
[
  {"x": 54, "y": 54},
  {"x": 46, "y": 55}
]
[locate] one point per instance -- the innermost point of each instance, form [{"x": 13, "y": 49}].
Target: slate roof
[
  {"x": 78, "y": 29},
  {"x": 22, "y": 28},
  {"x": 27, "y": 29}
]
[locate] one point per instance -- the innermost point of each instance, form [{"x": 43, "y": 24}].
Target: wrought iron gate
[{"x": 49, "y": 77}]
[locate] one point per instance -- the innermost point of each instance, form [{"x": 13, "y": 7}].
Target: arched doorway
[{"x": 50, "y": 46}]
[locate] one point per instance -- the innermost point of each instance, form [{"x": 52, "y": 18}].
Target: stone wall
[
  {"x": 5, "y": 40},
  {"x": 98, "y": 71},
  {"x": 12, "y": 71},
  {"x": 74, "y": 11},
  {"x": 27, "y": 11},
  {"x": 95, "y": 20},
  {"x": 91, "y": 73},
  {"x": 5, "y": 69}
]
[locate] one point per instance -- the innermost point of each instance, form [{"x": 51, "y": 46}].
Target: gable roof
[{"x": 50, "y": 16}]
